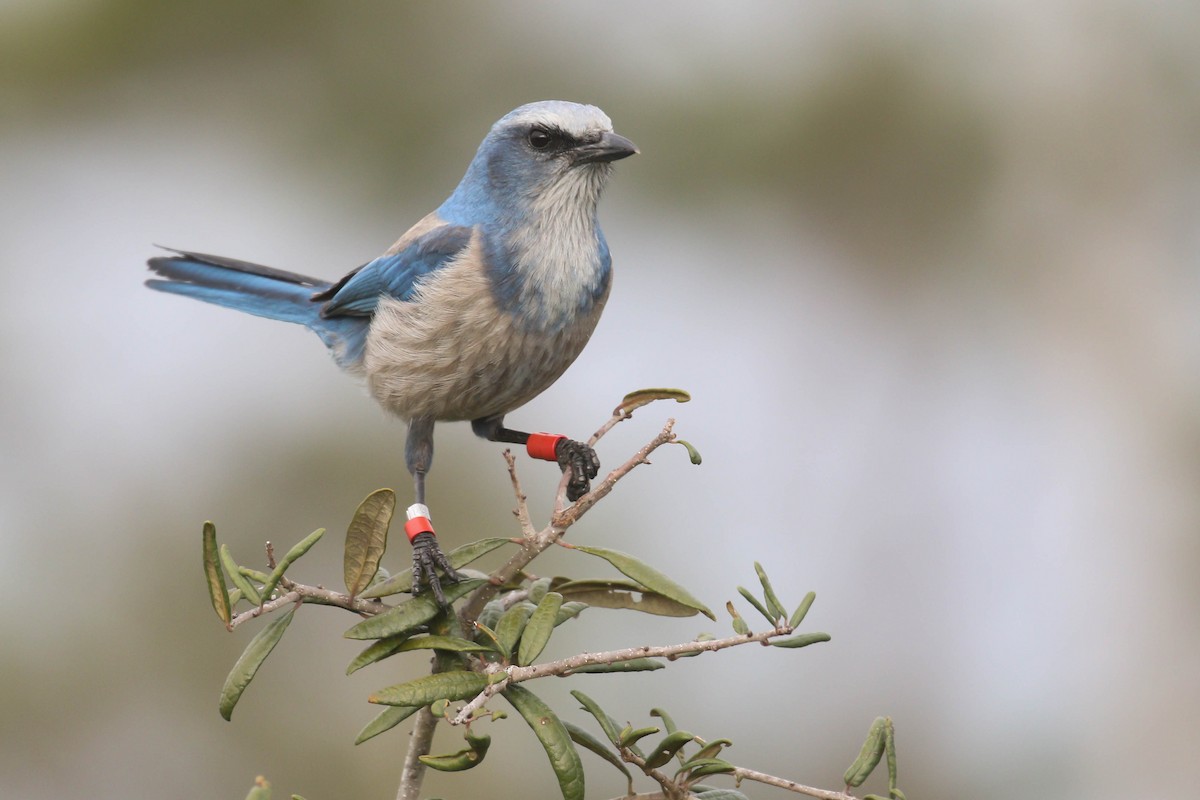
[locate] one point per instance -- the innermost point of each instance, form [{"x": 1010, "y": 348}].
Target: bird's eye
[{"x": 540, "y": 138}]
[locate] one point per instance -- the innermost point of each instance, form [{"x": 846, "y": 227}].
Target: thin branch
[
  {"x": 522, "y": 512},
  {"x": 413, "y": 773},
  {"x": 559, "y": 523},
  {"x": 741, "y": 773},
  {"x": 567, "y": 666},
  {"x": 298, "y": 592}
]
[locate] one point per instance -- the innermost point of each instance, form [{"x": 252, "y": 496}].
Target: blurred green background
[{"x": 931, "y": 271}]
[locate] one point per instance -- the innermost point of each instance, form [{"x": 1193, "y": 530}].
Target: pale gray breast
[{"x": 453, "y": 354}]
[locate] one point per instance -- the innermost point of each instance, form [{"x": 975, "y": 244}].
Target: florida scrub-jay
[{"x": 474, "y": 311}]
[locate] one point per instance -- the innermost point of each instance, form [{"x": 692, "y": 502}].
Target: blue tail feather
[{"x": 264, "y": 292}]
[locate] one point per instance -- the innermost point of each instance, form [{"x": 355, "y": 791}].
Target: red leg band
[
  {"x": 543, "y": 445},
  {"x": 416, "y": 526}
]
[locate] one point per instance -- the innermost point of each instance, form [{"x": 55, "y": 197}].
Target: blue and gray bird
[{"x": 473, "y": 312}]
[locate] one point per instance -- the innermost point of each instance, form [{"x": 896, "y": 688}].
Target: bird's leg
[
  {"x": 574, "y": 457},
  {"x": 427, "y": 556}
]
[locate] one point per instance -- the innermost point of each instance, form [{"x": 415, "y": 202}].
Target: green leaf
[
  {"x": 667, "y": 748},
  {"x": 776, "y": 608},
  {"x": 377, "y": 651},
  {"x": 239, "y": 580},
  {"x": 261, "y": 789},
  {"x": 623, "y": 594},
  {"x": 385, "y": 721},
  {"x": 214, "y": 577},
  {"x": 889, "y": 744},
  {"x": 647, "y": 576},
  {"x": 411, "y": 613},
  {"x": 803, "y": 640},
  {"x": 712, "y": 749},
  {"x": 721, "y": 794},
  {"x": 584, "y": 739},
  {"x": 450, "y": 643},
  {"x": 629, "y": 665},
  {"x": 870, "y": 754},
  {"x": 459, "y": 557},
  {"x": 463, "y": 759},
  {"x": 457, "y": 685},
  {"x": 739, "y": 625},
  {"x": 569, "y": 610},
  {"x": 511, "y": 625},
  {"x": 554, "y": 738},
  {"x": 693, "y": 453},
  {"x": 290, "y": 556},
  {"x": 642, "y": 397},
  {"x": 251, "y": 659},
  {"x": 538, "y": 629},
  {"x": 752, "y": 600},
  {"x": 699, "y": 767},
  {"x": 538, "y": 589},
  {"x": 802, "y": 609},
  {"x": 607, "y": 723},
  {"x": 668, "y": 722},
  {"x": 366, "y": 539},
  {"x": 629, "y": 736}
]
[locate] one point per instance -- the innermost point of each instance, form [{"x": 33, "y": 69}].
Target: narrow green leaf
[
  {"x": 457, "y": 685},
  {"x": 538, "y": 628},
  {"x": 411, "y": 613},
  {"x": 607, "y": 723},
  {"x": 472, "y": 756},
  {"x": 538, "y": 589},
  {"x": 366, "y": 539},
  {"x": 251, "y": 659},
  {"x": 647, "y": 576},
  {"x": 290, "y": 556},
  {"x": 641, "y": 397},
  {"x": 584, "y": 739},
  {"x": 214, "y": 577},
  {"x": 776, "y": 608},
  {"x": 712, "y": 749},
  {"x": 802, "y": 609},
  {"x": 253, "y": 574},
  {"x": 623, "y": 594},
  {"x": 693, "y": 453},
  {"x": 869, "y": 756},
  {"x": 889, "y": 746},
  {"x": 239, "y": 580},
  {"x": 510, "y": 627},
  {"x": 389, "y": 718},
  {"x": 668, "y": 723},
  {"x": 803, "y": 640},
  {"x": 452, "y": 644},
  {"x": 739, "y": 625},
  {"x": 752, "y": 600},
  {"x": 377, "y": 651},
  {"x": 629, "y": 665},
  {"x": 721, "y": 794},
  {"x": 699, "y": 767},
  {"x": 630, "y": 737},
  {"x": 261, "y": 789},
  {"x": 459, "y": 557},
  {"x": 667, "y": 748},
  {"x": 554, "y": 738},
  {"x": 569, "y": 610}
]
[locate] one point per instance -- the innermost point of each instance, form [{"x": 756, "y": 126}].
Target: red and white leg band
[
  {"x": 543, "y": 445},
  {"x": 418, "y": 521}
]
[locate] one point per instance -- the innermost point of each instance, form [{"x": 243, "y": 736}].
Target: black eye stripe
[{"x": 541, "y": 139}]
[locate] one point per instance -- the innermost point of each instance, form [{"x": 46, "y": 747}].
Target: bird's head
[{"x": 547, "y": 151}]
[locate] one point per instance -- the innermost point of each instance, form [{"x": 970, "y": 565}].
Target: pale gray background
[{"x": 931, "y": 270}]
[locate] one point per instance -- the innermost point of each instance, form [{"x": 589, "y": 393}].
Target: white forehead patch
[{"x": 572, "y": 118}]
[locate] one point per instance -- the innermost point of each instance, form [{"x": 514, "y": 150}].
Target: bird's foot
[
  {"x": 428, "y": 557},
  {"x": 581, "y": 462}
]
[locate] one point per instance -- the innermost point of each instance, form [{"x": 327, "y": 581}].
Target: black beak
[{"x": 609, "y": 147}]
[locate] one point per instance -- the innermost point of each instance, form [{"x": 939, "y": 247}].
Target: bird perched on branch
[{"x": 473, "y": 312}]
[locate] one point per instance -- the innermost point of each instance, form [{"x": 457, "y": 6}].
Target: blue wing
[{"x": 396, "y": 275}]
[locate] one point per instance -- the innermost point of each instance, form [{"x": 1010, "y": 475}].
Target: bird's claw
[
  {"x": 428, "y": 558},
  {"x": 582, "y": 463}
]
